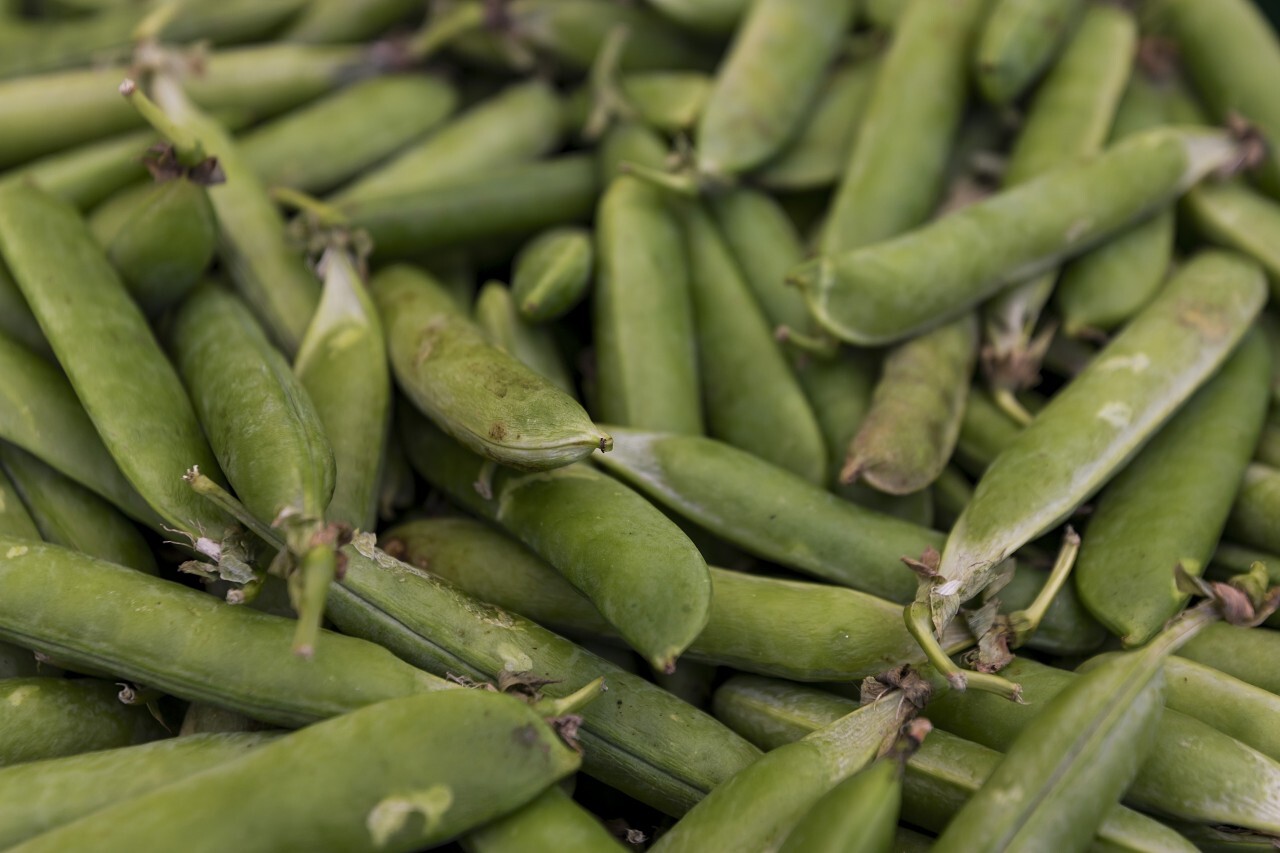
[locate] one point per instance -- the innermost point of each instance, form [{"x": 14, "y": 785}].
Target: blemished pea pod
[
  {"x": 52, "y": 717},
  {"x": 894, "y": 177},
  {"x": 535, "y": 346},
  {"x": 767, "y": 80},
  {"x": 641, "y": 740},
  {"x": 1140, "y": 527},
  {"x": 185, "y": 642},
  {"x": 1253, "y": 520},
  {"x": 331, "y": 140},
  {"x": 68, "y": 514},
  {"x": 339, "y": 21},
  {"x": 769, "y": 512},
  {"x": 552, "y": 273},
  {"x": 713, "y": 17},
  {"x": 751, "y": 397},
  {"x": 1019, "y": 41},
  {"x": 857, "y": 816},
  {"x": 913, "y": 423},
  {"x": 803, "y": 631},
  {"x": 552, "y": 823},
  {"x": 635, "y": 564},
  {"x": 1233, "y": 215},
  {"x": 16, "y": 320},
  {"x": 342, "y": 365},
  {"x": 1248, "y": 654},
  {"x": 884, "y": 292},
  {"x": 477, "y": 393},
  {"x": 41, "y": 795},
  {"x": 1100, "y": 420},
  {"x": 124, "y": 380},
  {"x": 361, "y": 794},
  {"x": 817, "y": 154},
  {"x": 518, "y": 125}
]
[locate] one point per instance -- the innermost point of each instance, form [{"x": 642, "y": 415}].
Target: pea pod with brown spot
[
  {"x": 477, "y": 393},
  {"x": 552, "y": 273},
  {"x": 52, "y": 717}
]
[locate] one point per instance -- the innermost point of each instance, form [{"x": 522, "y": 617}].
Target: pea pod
[
  {"x": 337, "y": 21},
  {"x": 669, "y": 101},
  {"x": 1245, "y": 653},
  {"x": 1253, "y": 519},
  {"x": 1020, "y": 39},
  {"x": 985, "y": 431},
  {"x": 51, "y": 717},
  {"x": 552, "y": 823},
  {"x": 714, "y": 17},
  {"x": 884, "y": 292},
  {"x": 552, "y": 273},
  {"x": 1067, "y": 628},
  {"x": 362, "y": 795},
  {"x": 15, "y": 521},
  {"x": 534, "y": 346},
  {"x": 16, "y": 320},
  {"x": 1233, "y": 215},
  {"x": 857, "y": 816}
]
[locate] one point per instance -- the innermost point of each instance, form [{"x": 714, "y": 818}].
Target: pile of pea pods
[{"x": 673, "y": 425}]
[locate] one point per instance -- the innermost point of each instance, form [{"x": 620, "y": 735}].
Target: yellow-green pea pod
[
  {"x": 769, "y": 512},
  {"x": 1020, "y": 39},
  {"x": 751, "y": 396},
  {"x": 16, "y": 320},
  {"x": 635, "y": 564},
  {"x": 1140, "y": 529},
  {"x": 329, "y": 141},
  {"x": 1100, "y": 420},
  {"x": 1253, "y": 520},
  {"x": 160, "y": 237},
  {"x": 68, "y": 514},
  {"x": 913, "y": 423},
  {"x": 1248, "y": 654},
  {"x": 552, "y": 823},
  {"x": 479, "y": 394},
  {"x": 817, "y": 154},
  {"x": 641, "y": 740},
  {"x": 187, "y": 643},
  {"x": 52, "y": 717},
  {"x": 518, "y": 125},
  {"x": 857, "y": 816},
  {"x": 895, "y": 174},
  {"x": 1233, "y": 215},
  {"x": 124, "y": 380},
  {"x": 767, "y": 81},
  {"x": 1067, "y": 628},
  {"x": 377, "y": 780},
  {"x": 552, "y": 273},
  {"x": 713, "y": 17},
  {"x": 884, "y": 292},
  {"x": 341, "y": 21},
  {"x": 342, "y": 365},
  {"x": 535, "y": 346},
  {"x": 42, "y": 795}
]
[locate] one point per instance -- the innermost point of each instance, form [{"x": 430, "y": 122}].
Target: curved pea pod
[
  {"x": 329, "y": 141},
  {"x": 1019, "y": 40},
  {"x": 895, "y": 175},
  {"x": 910, "y": 430},
  {"x": 884, "y": 292},
  {"x": 636, "y": 566},
  {"x": 1067, "y": 627},
  {"x": 125, "y": 382},
  {"x": 751, "y": 397},
  {"x": 714, "y": 17},
  {"x": 42, "y": 795},
  {"x": 817, "y": 154},
  {"x": 641, "y": 740},
  {"x": 1248, "y": 654},
  {"x": 535, "y": 346},
  {"x": 552, "y": 823},
  {"x": 1253, "y": 520},
  {"x": 1140, "y": 528},
  {"x": 1233, "y": 215},
  {"x": 483, "y": 755},
  {"x": 767, "y": 80},
  {"x": 1100, "y": 420},
  {"x": 336, "y": 21},
  {"x": 769, "y": 512},
  {"x": 477, "y": 393},
  {"x": 68, "y": 514},
  {"x": 52, "y": 717},
  {"x": 342, "y": 366},
  {"x": 857, "y": 816},
  {"x": 552, "y": 273}
]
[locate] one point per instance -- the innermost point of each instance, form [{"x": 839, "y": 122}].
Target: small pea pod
[
  {"x": 361, "y": 794},
  {"x": 1233, "y": 215},
  {"x": 552, "y": 823},
  {"x": 16, "y": 320},
  {"x": 340, "y": 21},
  {"x": 1248, "y": 654},
  {"x": 477, "y": 393},
  {"x": 714, "y": 17},
  {"x": 1019, "y": 40},
  {"x": 552, "y": 273},
  {"x": 535, "y": 346},
  {"x": 857, "y": 816},
  {"x": 51, "y": 717}
]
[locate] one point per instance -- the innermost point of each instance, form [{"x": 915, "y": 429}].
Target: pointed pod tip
[{"x": 606, "y": 442}]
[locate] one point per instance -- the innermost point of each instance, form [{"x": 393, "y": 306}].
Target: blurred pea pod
[
  {"x": 534, "y": 346},
  {"x": 1248, "y": 654},
  {"x": 714, "y": 17},
  {"x": 1233, "y": 215},
  {"x": 337, "y": 21},
  {"x": 552, "y": 273},
  {"x": 51, "y": 717},
  {"x": 16, "y": 320},
  {"x": 1019, "y": 40},
  {"x": 669, "y": 101},
  {"x": 1253, "y": 520},
  {"x": 552, "y": 823}
]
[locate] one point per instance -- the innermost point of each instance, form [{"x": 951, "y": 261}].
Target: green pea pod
[
  {"x": 361, "y": 793},
  {"x": 769, "y": 512},
  {"x": 16, "y": 320},
  {"x": 985, "y": 432},
  {"x": 1140, "y": 528},
  {"x": 767, "y": 80},
  {"x": 884, "y": 292},
  {"x": 1248, "y": 654},
  {"x": 669, "y": 101},
  {"x": 88, "y": 174},
  {"x": 86, "y": 783},
  {"x": 1233, "y": 215},
  {"x": 636, "y": 566},
  {"x": 857, "y": 816},
  {"x": 913, "y": 424},
  {"x": 909, "y": 841},
  {"x": 1100, "y": 420},
  {"x": 340, "y": 21},
  {"x": 751, "y": 397},
  {"x": 552, "y": 273},
  {"x": 894, "y": 178},
  {"x": 1253, "y": 519},
  {"x": 642, "y": 740},
  {"x": 518, "y": 125},
  {"x": 552, "y": 823},
  {"x": 713, "y": 17},
  {"x": 68, "y": 514},
  {"x": 15, "y": 521},
  {"x": 534, "y": 346},
  {"x": 1020, "y": 39},
  {"x": 342, "y": 365},
  {"x": 127, "y": 385},
  {"x": 480, "y": 395},
  {"x": 329, "y": 141},
  {"x": 51, "y": 717},
  {"x": 1067, "y": 628}
]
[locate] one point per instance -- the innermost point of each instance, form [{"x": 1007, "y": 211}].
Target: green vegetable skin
[
  {"x": 857, "y": 816},
  {"x": 552, "y": 273},
  {"x": 1020, "y": 38},
  {"x": 553, "y": 823},
  {"x": 51, "y": 717}
]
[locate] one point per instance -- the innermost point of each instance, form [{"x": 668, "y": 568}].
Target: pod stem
[
  {"x": 919, "y": 623},
  {"x": 574, "y": 702},
  {"x": 680, "y": 183},
  {"x": 1025, "y": 622},
  {"x": 443, "y": 29},
  {"x": 1008, "y": 403},
  {"x": 822, "y": 346},
  {"x": 607, "y": 100},
  {"x": 224, "y": 500},
  {"x": 318, "y": 569},
  {"x": 326, "y": 215},
  {"x": 188, "y": 148}
]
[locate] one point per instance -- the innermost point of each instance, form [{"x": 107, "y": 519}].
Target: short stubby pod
[{"x": 552, "y": 273}]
